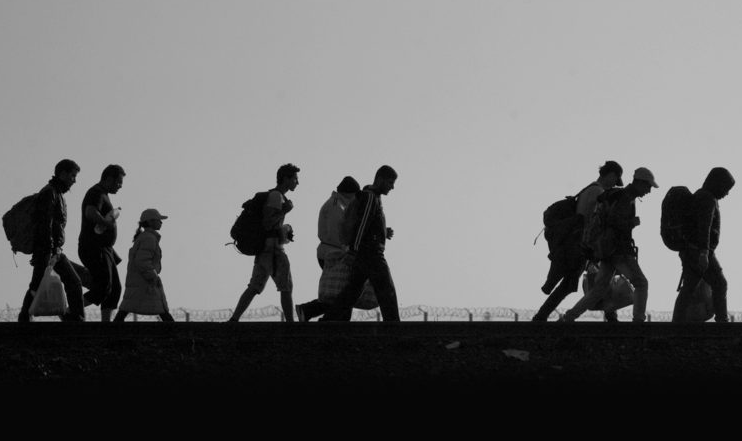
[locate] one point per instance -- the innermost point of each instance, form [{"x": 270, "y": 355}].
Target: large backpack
[
  {"x": 675, "y": 217},
  {"x": 598, "y": 240},
  {"x": 557, "y": 217},
  {"x": 247, "y": 231},
  {"x": 19, "y": 225}
]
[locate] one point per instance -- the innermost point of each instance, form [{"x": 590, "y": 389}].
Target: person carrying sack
[
  {"x": 698, "y": 257},
  {"x": 622, "y": 258},
  {"x": 49, "y": 222}
]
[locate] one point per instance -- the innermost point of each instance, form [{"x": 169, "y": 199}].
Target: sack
[
  {"x": 19, "y": 226},
  {"x": 50, "y": 298},
  {"x": 598, "y": 239},
  {"x": 334, "y": 278},
  {"x": 620, "y": 294},
  {"x": 675, "y": 217},
  {"x": 559, "y": 219},
  {"x": 702, "y": 307},
  {"x": 247, "y": 231}
]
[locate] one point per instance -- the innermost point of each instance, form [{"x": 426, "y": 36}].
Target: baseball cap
[
  {"x": 150, "y": 214},
  {"x": 643, "y": 174}
]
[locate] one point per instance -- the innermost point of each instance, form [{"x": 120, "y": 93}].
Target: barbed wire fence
[{"x": 408, "y": 313}]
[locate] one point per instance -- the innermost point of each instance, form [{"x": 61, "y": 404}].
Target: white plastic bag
[{"x": 50, "y": 298}]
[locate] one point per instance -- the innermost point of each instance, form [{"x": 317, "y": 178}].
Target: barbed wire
[{"x": 407, "y": 313}]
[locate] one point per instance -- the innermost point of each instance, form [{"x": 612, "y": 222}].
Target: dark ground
[{"x": 442, "y": 369}]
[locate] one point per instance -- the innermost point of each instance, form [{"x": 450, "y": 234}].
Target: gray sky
[{"x": 489, "y": 110}]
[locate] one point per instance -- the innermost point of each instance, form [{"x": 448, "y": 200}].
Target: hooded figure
[
  {"x": 699, "y": 259},
  {"x": 706, "y": 215}
]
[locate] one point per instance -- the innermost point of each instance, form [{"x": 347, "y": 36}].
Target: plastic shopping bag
[
  {"x": 701, "y": 308},
  {"x": 50, "y": 298},
  {"x": 620, "y": 294}
]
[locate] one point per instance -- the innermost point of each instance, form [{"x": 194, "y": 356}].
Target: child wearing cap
[{"x": 144, "y": 293}]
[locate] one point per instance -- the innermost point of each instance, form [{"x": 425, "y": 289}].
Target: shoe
[{"x": 300, "y": 313}]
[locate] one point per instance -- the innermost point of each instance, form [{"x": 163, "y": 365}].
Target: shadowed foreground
[{"x": 440, "y": 365}]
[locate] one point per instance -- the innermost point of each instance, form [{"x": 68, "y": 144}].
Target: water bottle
[{"x": 112, "y": 215}]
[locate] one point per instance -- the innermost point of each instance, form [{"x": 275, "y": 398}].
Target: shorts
[{"x": 272, "y": 263}]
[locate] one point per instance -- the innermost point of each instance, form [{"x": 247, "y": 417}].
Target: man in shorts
[{"x": 272, "y": 261}]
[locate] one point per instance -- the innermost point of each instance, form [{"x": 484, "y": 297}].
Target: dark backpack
[
  {"x": 598, "y": 240},
  {"x": 675, "y": 217},
  {"x": 247, "y": 231},
  {"x": 557, "y": 217},
  {"x": 19, "y": 225}
]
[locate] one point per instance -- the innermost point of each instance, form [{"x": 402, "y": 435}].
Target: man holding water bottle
[{"x": 97, "y": 237}]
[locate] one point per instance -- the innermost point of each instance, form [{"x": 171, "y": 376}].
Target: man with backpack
[
  {"x": 617, "y": 252},
  {"x": 272, "y": 260},
  {"x": 366, "y": 233},
  {"x": 567, "y": 257},
  {"x": 96, "y": 240},
  {"x": 702, "y": 237},
  {"x": 49, "y": 220}
]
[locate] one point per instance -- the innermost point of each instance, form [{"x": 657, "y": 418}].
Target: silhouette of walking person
[
  {"x": 331, "y": 248},
  {"x": 272, "y": 261},
  {"x": 49, "y": 220},
  {"x": 144, "y": 293},
  {"x": 366, "y": 238},
  {"x": 95, "y": 244},
  {"x": 699, "y": 257}
]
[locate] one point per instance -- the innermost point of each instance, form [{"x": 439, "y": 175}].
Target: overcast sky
[{"x": 489, "y": 110}]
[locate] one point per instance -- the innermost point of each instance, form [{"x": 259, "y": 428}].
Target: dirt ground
[{"x": 443, "y": 368}]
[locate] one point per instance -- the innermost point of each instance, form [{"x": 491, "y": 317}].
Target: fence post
[
  {"x": 515, "y": 314},
  {"x": 378, "y": 316},
  {"x": 649, "y": 317},
  {"x": 280, "y": 313},
  {"x": 135, "y": 317},
  {"x": 471, "y": 316},
  {"x": 425, "y": 314}
]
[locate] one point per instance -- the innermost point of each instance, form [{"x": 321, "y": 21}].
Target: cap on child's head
[{"x": 151, "y": 214}]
